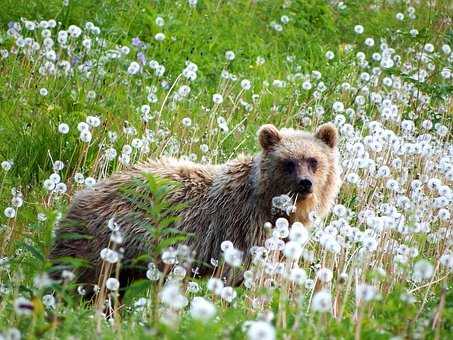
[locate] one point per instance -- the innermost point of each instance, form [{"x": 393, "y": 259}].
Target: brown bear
[{"x": 231, "y": 201}]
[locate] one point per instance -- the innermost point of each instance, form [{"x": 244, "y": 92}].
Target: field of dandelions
[{"x": 90, "y": 87}]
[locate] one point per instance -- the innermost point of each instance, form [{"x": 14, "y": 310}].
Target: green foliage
[{"x": 29, "y": 137}]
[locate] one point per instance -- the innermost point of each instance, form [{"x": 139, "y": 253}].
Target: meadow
[{"x": 91, "y": 87}]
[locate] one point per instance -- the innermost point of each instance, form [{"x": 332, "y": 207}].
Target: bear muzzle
[{"x": 304, "y": 186}]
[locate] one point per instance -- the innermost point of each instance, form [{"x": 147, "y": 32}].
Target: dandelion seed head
[
  {"x": 202, "y": 309},
  {"x": 112, "y": 284},
  {"x": 322, "y": 301}
]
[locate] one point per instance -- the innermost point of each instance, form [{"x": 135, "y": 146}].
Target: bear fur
[{"x": 231, "y": 201}]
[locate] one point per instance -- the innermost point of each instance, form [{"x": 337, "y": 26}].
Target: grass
[{"x": 202, "y": 34}]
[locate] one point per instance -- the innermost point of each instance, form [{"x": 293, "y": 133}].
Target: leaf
[
  {"x": 74, "y": 262},
  {"x": 34, "y": 251},
  {"x": 76, "y": 236},
  {"x": 167, "y": 242},
  {"x": 136, "y": 290}
]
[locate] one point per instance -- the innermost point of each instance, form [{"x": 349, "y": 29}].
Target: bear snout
[{"x": 305, "y": 185}]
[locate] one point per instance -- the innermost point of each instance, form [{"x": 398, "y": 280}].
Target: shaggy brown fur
[{"x": 223, "y": 202}]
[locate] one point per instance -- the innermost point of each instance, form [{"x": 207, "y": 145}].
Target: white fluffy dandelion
[
  {"x": 112, "y": 284},
  {"x": 202, "y": 309}
]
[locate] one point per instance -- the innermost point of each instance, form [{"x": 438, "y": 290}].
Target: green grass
[{"x": 29, "y": 137}]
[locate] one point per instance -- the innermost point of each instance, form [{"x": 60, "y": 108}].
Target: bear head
[{"x": 301, "y": 164}]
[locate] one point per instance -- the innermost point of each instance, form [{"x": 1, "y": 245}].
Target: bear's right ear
[
  {"x": 328, "y": 133},
  {"x": 268, "y": 136}
]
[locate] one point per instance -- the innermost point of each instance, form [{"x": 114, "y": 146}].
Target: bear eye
[
  {"x": 312, "y": 163},
  {"x": 288, "y": 165}
]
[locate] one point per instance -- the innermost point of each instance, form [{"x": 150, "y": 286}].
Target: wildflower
[
  {"x": 217, "y": 98},
  {"x": 261, "y": 330},
  {"x": 178, "y": 273},
  {"x": 229, "y": 55},
  {"x": 293, "y": 250},
  {"x": 202, "y": 309},
  {"x": 171, "y": 296},
  {"x": 223, "y": 125},
  {"x": 81, "y": 290},
  {"x": 55, "y": 178},
  {"x": 447, "y": 261},
  {"x": 330, "y": 55},
  {"x": 276, "y": 26},
  {"x": 423, "y": 270},
  {"x": 74, "y": 31},
  {"x": 79, "y": 178},
  {"x": 42, "y": 217},
  {"x": 48, "y": 300},
  {"x": 85, "y": 136},
  {"x": 109, "y": 255},
  {"x": 169, "y": 256},
  {"x": 58, "y": 165},
  {"x": 49, "y": 185},
  {"x": 187, "y": 122},
  {"x": 324, "y": 275},
  {"x": 298, "y": 233},
  {"x": 7, "y": 165},
  {"x": 369, "y": 42},
  {"x": 159, "y": 36},
  {"x": 42, "y": 281},
  {"x": 358, "y": 29},
  {"x": 246, "y": 84},
  {"x": 43, "y": 91},
  {"x": 322, "y": 301},
  {"x": 93, "y": 121},
  {"x": 153, "y": 274},
  {"x": 274, "y": 243},
  {"x": 10, "y": 212},
  {"x": 365, "y": 293},
  {"x": 160, "y": 21},
  {"x": 284, "y": 19},
  {"x": 60, "y": 188},
  {"x": 23, "y": 306},
  {"x": 193, "y": 287},
  {"x": 281, "y": 228},
  {"x": 112, "y": 284},
  {"x": 338, "y": 106},
  {"x": 116, "y": 237},
  {"x": 90, "y": 182},
  {"x": 233, "y": 257},
  {"x": 192, "y": 3},
  {"x": 260, "y": 60},
  {"x": 284, "y": 203},
  {"x": 298, "y": 276},
  {"x": 112, "y": 225},
  {"x": 133, "y": 68},
  {"x": 399, "y": 16},
  {"x": 215, "y": 285},
  {"x": 67, "y": 275},
  {"x": 204, "y": 148},
  {"x": 11, "y": 334},
  {"x": 306, "y": 85}
]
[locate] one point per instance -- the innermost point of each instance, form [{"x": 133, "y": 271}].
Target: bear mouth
[{"x": 302, "y": 195}]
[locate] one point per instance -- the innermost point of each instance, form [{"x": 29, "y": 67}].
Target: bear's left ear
[
  {"x": 328, "y": 133},
  {"x": 268, "y": 136}
]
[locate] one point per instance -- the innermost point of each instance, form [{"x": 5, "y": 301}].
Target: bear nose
[{"x": 305, "y": 185}]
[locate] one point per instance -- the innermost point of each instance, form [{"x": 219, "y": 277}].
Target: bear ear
[
  {"x": 328, "y": 133},
  {"x": 268, "y": 136}
]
